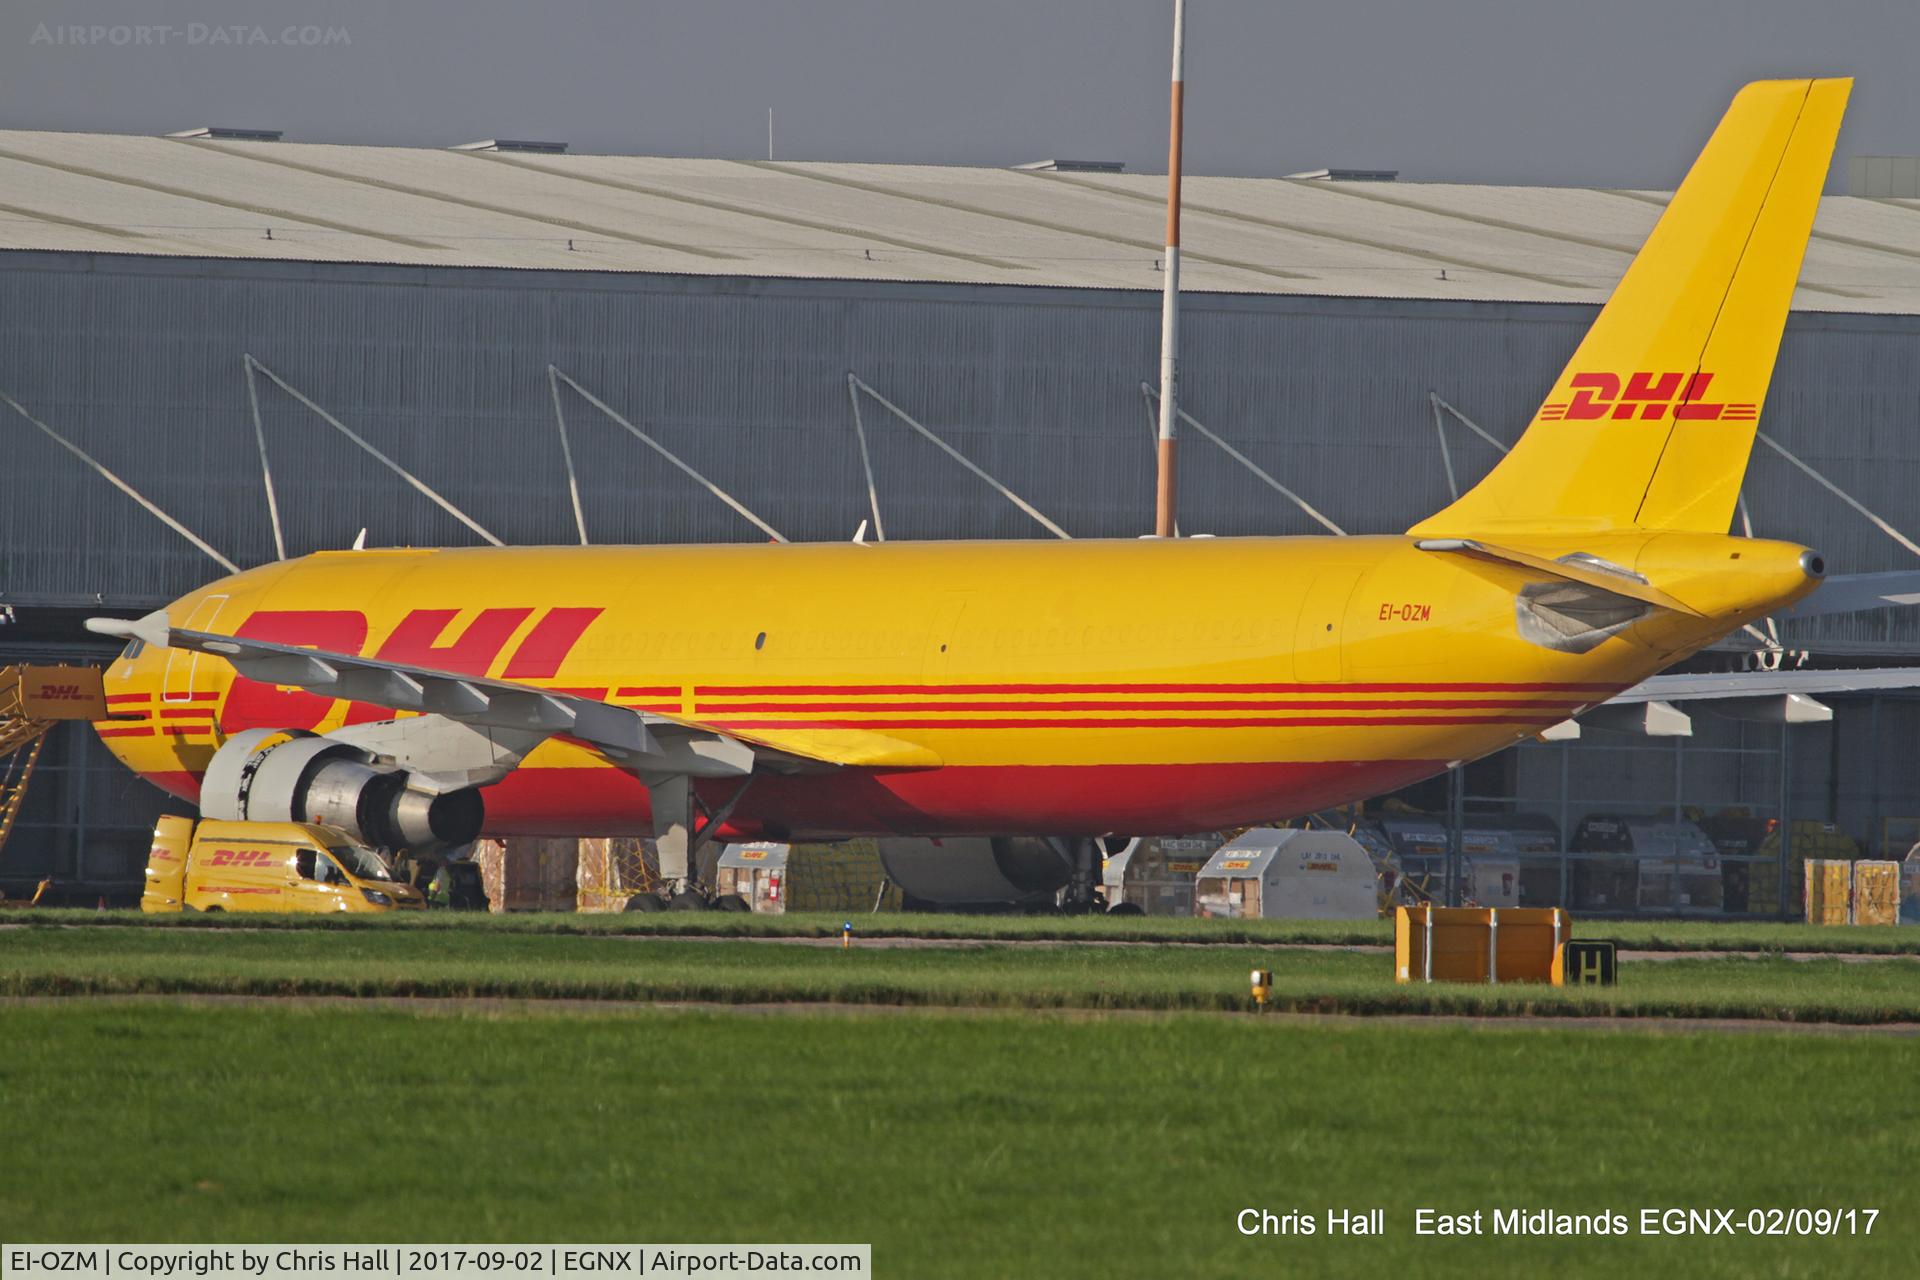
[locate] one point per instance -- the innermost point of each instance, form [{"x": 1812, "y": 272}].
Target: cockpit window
[{"x": 135, "y": 647}]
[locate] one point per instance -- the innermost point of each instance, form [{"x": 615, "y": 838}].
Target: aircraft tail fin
[{"x": 1651, "y": 423}]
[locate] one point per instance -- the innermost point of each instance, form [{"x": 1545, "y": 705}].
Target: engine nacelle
[
  {"x": 975, "y": 871},
  {"x": 269, "y": 775}
]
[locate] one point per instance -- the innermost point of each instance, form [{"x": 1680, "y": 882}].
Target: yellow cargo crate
[{"x": 1475, "y": 944}]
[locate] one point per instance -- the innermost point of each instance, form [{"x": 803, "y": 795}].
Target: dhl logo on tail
[
  {"x": 1701, "y": 308},
  {"x": 1650, "y": 395}
]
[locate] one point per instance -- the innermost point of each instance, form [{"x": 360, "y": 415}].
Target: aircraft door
[
  {"x": 1317, "y": 655},
  {"x": 183, "y": 664}
]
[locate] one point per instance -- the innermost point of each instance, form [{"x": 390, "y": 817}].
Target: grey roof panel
[{"x": 325, "y": 202}]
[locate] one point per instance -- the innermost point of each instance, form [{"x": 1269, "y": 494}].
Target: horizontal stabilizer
[{"x": 1588, "y": 571}]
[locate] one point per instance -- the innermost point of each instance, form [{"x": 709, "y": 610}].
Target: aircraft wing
[{"x": 524, "y": 715}]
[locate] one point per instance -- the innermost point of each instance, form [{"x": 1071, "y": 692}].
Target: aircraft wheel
[
  {"x": 211, "y": 911},
  {"x": 645, "y": 902},
  {"x": 1126, "y": 909},
  {"x": 688, "y": 900},
  {"x": 731, "y": 902}
]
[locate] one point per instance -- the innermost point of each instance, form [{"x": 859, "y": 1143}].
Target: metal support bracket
[
  {"x": 854, "y": 385},
  {"x": 557, "y": 376},
  {"x": 147, "y": 504},
  {"x": 1153, "y": 397},
  {"x": 421, "y": 486}
]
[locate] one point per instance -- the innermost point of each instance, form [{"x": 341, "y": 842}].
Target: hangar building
[{"x": 397, "y": 334}]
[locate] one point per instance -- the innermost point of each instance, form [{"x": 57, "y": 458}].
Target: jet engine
[
  {"x": 267, "y": 775},
  {"x": 977, "y": 871}
]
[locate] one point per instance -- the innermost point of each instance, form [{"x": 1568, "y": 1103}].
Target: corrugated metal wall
[{"x": 139, "y": 361}]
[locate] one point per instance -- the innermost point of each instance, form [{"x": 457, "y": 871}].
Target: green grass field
[
  {"x": 965, "y": 1146},
  {"x": 1652, "y": 935},
  {"x": 486, "y": 962}
]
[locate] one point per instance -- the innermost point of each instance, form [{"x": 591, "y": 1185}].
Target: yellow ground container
[
  {"x": 1829, "y": 891},
  {"x": 1876, "y": 893},
  {"x": 1474, "y": 944}
]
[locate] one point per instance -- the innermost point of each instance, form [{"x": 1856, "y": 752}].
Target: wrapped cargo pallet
[
  {"x": 613, "y": 869},
  {"x": 1876, "y": 892},
  {"x": 1157, "y": 873},
  {"x": 1829, "y": 891},
  {"x": 529, "y": 873}
]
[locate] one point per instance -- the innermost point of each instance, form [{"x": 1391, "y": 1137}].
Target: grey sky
[{"x": 1610, "y": 94}]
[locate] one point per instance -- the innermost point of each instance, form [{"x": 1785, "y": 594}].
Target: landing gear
[
  {"x": 677, "y": 840},
  {"x": 646, "y": 902},
  {"x": 731, "y": 902},
  {"x": 1081, "y": 894},
  {"x": 1126, "y": 909}
]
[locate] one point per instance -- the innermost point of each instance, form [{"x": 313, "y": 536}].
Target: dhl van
[{"x": 267, "y": 866}]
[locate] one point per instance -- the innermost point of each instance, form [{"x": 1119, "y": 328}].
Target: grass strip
[
  {"x": 481, "y": 964},
  {"x": 1645, "y": 935}
]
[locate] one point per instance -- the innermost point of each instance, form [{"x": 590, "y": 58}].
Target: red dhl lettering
[
  {"x": 420, "y": 638},
  {"x": 240, "y": 858},
  {"x": 61, "y": 692},
  {"x": 1645, "y": 395}
]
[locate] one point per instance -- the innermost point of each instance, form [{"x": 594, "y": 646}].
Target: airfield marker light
[
  {"x": 846, "y": 935},
  {"x": 1261, "y": 980}
]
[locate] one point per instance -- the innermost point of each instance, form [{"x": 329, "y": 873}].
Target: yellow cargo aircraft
[{"x": 1062, "y": 689}]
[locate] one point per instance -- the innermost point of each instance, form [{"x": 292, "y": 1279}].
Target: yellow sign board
[{"x": 62, "y": 693}]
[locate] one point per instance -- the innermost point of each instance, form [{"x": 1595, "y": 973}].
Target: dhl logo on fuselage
[
  {"x": 416, "y": 640},
  {"x": 1648, "y": 396}
]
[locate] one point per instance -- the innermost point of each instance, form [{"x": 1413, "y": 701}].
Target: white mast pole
[{"x": 1166, "y": 500}]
